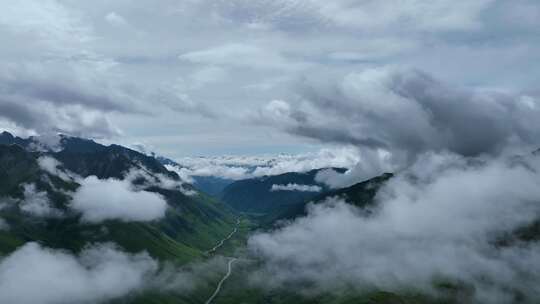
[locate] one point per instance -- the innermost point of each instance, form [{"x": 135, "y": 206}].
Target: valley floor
[{"x": 233, "y": 283}]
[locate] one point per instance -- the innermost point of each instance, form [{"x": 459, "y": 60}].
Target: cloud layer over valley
[
  {"x": 243, "y": 167},
  {"x": 447, "y": 219}
]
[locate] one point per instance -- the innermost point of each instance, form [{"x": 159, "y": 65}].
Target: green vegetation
[
  {"x": 238, "y": 290},
  {"x": 192, "y": 223},
  {"x": 254, "y": 195},
  {"x": 360, "y": 195}
]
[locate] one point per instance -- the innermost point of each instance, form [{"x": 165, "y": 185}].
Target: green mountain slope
[
  {"x": 211, "y": 185},
  {"x": 360, "y": 194},
  {"x": 255, "y": 195},
  {"x": 192, "y": 224}
]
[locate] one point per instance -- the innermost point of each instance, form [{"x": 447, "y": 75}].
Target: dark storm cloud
[
  {"x": 60, "y": 95},
  {"x": 18, "y": 113},
  {"x": 46, "y": 118},
  {"x": 339, "y": 136},
  {"x": 409, "y": 111}
]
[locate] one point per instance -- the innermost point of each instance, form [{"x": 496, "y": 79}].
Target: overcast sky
[{"x": 210, "y": 77}]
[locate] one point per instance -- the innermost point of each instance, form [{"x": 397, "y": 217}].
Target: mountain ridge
[
  {"x": 256, "y": 195},
  {"x": 190, "y": 226}
]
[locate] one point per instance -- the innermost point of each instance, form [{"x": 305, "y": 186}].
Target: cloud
[
  {"x": 98, "y": 70},
  {"x": 38, "y": 204},
  {"x": 93, "y": 198},
  {"x": 440, "y": 221},
  {"x": 46, "y": 142},
  {"x": 208, "y": 75},
  {"x": 111, "y": 199},
  {"x": 56, "y": 76},
  {"x": 50, "y": 23},
  {"x": 243, "y": 167},
  {"x": 299, "y": 15},
  {"x": 63, "y": 86},
  {"x": 100, "y": 273},
  {"x": 115, "y": 19},
  {"x": 52, "y": 166},
  {"x": 296, "y": 187},
  {"x": 207, "y": 168},
  {"x": 411, "y": 111},
  {"x": 404, "y": 112},
  {"x": 370, "y": 163},
  {"x": 240, "y": 55},
  {"x": 60, "y": 97},
  {"x": 143, "y": 178},
  {"x": 175, "y": 98},
  {"x": 439, "y": 15},
  {"x": 34, "y": 274},
  {"x": 373, "y": 49}
]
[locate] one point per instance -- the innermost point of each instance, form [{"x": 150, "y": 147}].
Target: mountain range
[
  {"x": 268, "y": 193},
  {"x": 191, "y": 224},
  {"x": 42, "y": 181}
]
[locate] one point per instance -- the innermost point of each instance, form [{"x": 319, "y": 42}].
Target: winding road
[
  {"x": 218, "y": 289},
  {"x": 229, "y": 267},
  {"x": 225, "y": 239}
]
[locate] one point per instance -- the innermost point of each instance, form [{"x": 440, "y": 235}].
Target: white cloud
[
  {"x": 52, "y": 166},
  {"x": 115, "y": 19},
  {"x": 242, "y": 167},
  {"x": 394, "y": 114},
  {"x": 49, "y": 21},
  {"x": 438, "y": 221},
  {"x": 277, "y": 110},
  {"x": 206, "y": 167},
  {"x": 157, "y": 180},
  {"x": 34, "y": 274},
  {"x": 111, "y": 199},
  {"x": 37, "y": 203},
  {"x": 171, "y": 184},
  {"x": 296, "y": 187},
  {"x": 240, "y": 55},
  {"x": 370, "y": 164},
  {"x": 208, "y": 75},
  {"x": 46, "y": 142}
]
